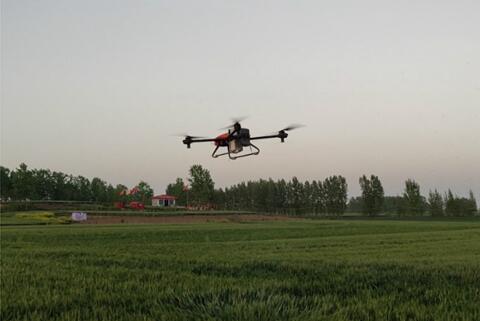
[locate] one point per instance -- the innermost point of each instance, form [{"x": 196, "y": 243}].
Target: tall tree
[
  {"x": 296, "y": 195},
  {"x": 178, "y": 189},
  {"x": 44, "y": 184},
  {"x": 271, "y": 205},
  {"x": 59, "y": 181},
  {"x": 336, "y": 194},
  {"x": 282, "y": 195},
  {"x": 202, "y": 185},
  {"x": 435, "y": 204},
  {"x": 83, "y": 188},
  {"x": 317, "y": 197},
  {"x": 307, "y": 198},
  {"x": 413, "y": 199},
  {"x": 5, "y": 183},
  {"x": 23, "y": 183},
  {"x": 69, "y": 189},
  {"x": 451, "y": 208},
  {"x": 219, "y": 198},
  {"x": 472, "y": 207},
  {"x": 99, "y": 190},
  {"x": 111, "y": 195},
  {"x": 121, "y": 192},
  {"x": 372, "y": 194},
  {"x": 378, "y": 193},
  {"x": 460, "y": 206},
  {"x": 144, "y": 193}
]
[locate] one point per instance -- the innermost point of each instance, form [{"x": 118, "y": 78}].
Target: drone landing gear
[
  {"x": 231, "y": 155},
  {"x": 256, "y": 152},
  {"x": 218, "y": 155}
]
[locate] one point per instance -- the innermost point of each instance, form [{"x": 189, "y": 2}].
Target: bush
[{"x": 43, "y": 217}]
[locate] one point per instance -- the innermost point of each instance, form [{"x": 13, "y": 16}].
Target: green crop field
[{"x": 291, "y": 270}]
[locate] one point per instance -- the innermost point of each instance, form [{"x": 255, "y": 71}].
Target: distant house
[{"x": 163, "y": 200}]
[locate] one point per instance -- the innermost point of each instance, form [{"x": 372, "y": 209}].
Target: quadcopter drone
[{"x": 236, "y": 139}]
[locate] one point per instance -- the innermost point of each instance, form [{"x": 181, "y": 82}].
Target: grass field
[{"x": 293, "y": 270}]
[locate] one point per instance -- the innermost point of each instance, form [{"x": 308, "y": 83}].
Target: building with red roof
[{"x": 163, "y": 200}]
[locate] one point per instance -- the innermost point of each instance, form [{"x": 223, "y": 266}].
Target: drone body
[{"x": 235, "y": 140}]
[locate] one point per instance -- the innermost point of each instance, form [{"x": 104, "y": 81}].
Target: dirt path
[{"x": 183, "y": 219}]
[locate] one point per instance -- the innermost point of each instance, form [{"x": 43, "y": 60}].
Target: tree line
[
  {"x": 42, "y": 184},
  {"x": 373, "y": 202},
  {"x": 316, "y": 197},
  {"x": 288, "y": 197}
]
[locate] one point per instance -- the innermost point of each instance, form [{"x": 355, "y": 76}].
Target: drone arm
[
  {"x": 188, "y": 141},
  {"x": 204, "y": 140},
  {"x": 191, "y": 140},
  {"x": 264, "y": 137},
  {"x": 282, "y": 135}
]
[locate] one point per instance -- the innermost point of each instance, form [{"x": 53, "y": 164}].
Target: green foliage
[
  {"x": 23, "y": 183},
  {"x": 295, "y": 270},
  {"x": 178, "y": 189},
  {"x": 82, "y": 188},
  {"x": 287, "y": 197},
  {"x": 318, "y": 198},
  {"x": 5, "y": 183},
  {"x": 43, "y": 184},
  {"x": 414, "y": 202},
  {"x": 335, "y": 188},
  {"x": 355, "y": 205},
  {"x": 202, "y": 186},
  {"x": 296, "y": 195},
  {"x": 472, "y": 207},
  {"x": 460, "y": 206},
  {"x": 281, "y": 196},
  {"x": 99, "y": 190},
  {"x": 33, "y": 218},
  {"x": 393, "y": 204},
  {"x": 372, "y": 195},
  {"x": 145, "y": 192},
  {"x": 35, "y": 215},
  {"x": 435, "y": 204}
]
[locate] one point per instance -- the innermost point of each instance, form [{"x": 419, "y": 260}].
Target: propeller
[
  {"x": 282, "y": 133},
  {"x": 234, "y": 120},
  {"x": 185, "y": 135},
  {"x": 288, "y": 128},
  {"x": 187, "y": 139},
  {"x": 292, "y": 127}
]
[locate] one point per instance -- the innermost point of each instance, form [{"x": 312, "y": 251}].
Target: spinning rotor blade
[
  {"x": 234, "y": 120},
  {"x": 292, "y": 127},
  {"x": 195, "y": 137},
  {"x": 185, "y": 135},
  {"x": 238, "y": 119},
  {"x": 289, "y": 128}
]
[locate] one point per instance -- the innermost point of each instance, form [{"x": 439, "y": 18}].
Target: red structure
[
  {"x": 125, "y": 204},
  {"x": 136, "y": 205},
  {"x": 131, "y": 205}
]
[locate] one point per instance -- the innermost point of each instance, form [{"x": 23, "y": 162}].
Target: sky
[{"x": 99, "y": 88}]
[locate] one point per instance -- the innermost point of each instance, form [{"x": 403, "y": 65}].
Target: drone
[{"x": 236, "y": 139}]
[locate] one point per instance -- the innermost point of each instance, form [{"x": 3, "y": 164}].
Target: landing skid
[{"x": 230, "y": 155}]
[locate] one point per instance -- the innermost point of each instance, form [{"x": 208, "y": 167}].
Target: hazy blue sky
[{"x": 386, "y": 87}]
